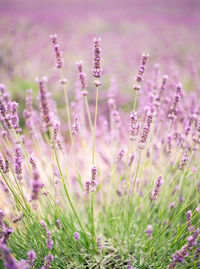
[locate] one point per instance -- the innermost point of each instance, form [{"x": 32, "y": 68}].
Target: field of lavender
[{"x": 100, "y": 134}]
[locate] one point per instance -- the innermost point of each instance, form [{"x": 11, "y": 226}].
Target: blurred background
[{"x": 168, "y": 30}]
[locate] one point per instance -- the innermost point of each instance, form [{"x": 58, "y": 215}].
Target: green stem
[
  {"x": 135, "y": 100},
  {"x": 67, "y": 194},
  {"x": 94, "y": 128},
  {"x": 67, "y": 107},
  {"x": 165, "y": 141},
  {"x": 88, "y": 113},
  {"x": 93, "y": 153}
]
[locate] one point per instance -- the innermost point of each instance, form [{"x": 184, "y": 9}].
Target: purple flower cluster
[
  {"x": 48, "y": 261},
  {"x": 149, "y": 231},
  {"x": 18, "y": 161},
  {"x": 14, "y": 118},
  {"x": 91, "y": 184},
  {"x": 188, "y": 218},
  {"x": 76, "y": 236},
  {"x": 9, "y": 261},
  {"x": 58, "y": 53},
  {"x": 174, "y": 107},
  {"x": 75, "y": 127},
  {"x": 131, "y": 159},
  {"x": 58, "y": 224},
  {"x": 44, "y": 102},
  {"x": 146, "y": 130},
  {"x": 183, "y": 161},
  {"x": 36, "y": 185},
  {"x": 134, "y": 126},
  {"x": 158, "y": 183},
  {"x": 49, "y": 240},
  {"x": 180, "y": 255},
  {"x": 97, "y": 70},
  {"x": 196, "y": 136},
  {"x": 56, "y": 126},
  {"x": 4, "y": 165},
  {"x": 31, "y": 257},
  {"x": 99, "y": 244},
  {"x": 17, "y": 219},
  {"x": 8, "y": 111},
  {"x": 120, "y": 155},
  {"x": 139, "y": 77},
  {"x": 82, "y": 75}
]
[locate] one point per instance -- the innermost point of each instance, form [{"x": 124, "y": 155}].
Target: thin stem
[
  {"x": 67, "y": 193},
  {"x": 94, "y": 128},
  {"x": 131, "y": 201},
  {"x": 135, "y": 100},
  {"x": 88, "y": 113},
  {"x": 67, "y": 107},
  {"x": 165, "y": 141},
  {"x": 93, "y": 152}
]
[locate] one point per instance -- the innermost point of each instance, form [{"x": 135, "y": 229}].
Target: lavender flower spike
[
  {"x": 82, "y": 75},
  {"x": 31, "y": 257},
  {"x": 49, "y": 240},
  {"x": 76, "y": 236},
  {"x": 9, "y": 261},
  {"x": 44, "y": 103},
  {"x": 180, "y": 255},
  {"x": 156, "y": 190},
  {"x": 146, "y": 130},
  {"x": 58, "y": 53},
  {"x": 18, "y": 162},
  {"x": 48, "y": 260},
  {"x": 97, "y": 70}
]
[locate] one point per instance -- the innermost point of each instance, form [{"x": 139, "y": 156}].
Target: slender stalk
[
  {"x": 67, "y": 193},
  {"x": 67, "y": 107},
  {"x": 131, "y": 201},
  {"x": 93, "y": 155},
  {"x": 165, "y": 141},
  {"x": 94, "y": 127},
  {"x": 88, "y": 113},
  {"x": 135, "y": 100}
]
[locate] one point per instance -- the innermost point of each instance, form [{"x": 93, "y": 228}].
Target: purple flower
[
  {"x": 134, "y": 126},
  {"x": 183, "y": 161},
  {"x": 99, "y": 245},
  {"x": 139, "y": 77},
  {"x": 76, "y": 236},
  {"x": 49, "y": 240},
  {"x": 48, "y": 260},
  {"x": 75, "y": 127},
  {"x": 146, "y": 130},
  {"x": 188, "y": 218},
  {"x": 93, "y": 181},
  {"x": 158, "y": 183},
  {"x": 58, "y": 53},
  {"x": 31, "y": 257},
  {"x": 149, "y": 231},
  {"x": 14, "y": 118},
  {"x": 36, "y": 186},
  {"x": 82, "y": 75},
  {"x": 97, "y": 70},
  {"x": 58, "y": 224},
  {"x": 56, "y": 126},
  {"x": 120, "y": 155},
  {"x": 18, "y": 162},
  {"x": 9, "y": 261},
  {"x": 180, "y": 255},
  {"x": 44, "y": 102},
  {"x": 174, "y": 107}
]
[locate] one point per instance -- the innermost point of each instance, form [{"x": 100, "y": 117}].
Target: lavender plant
[{"x": 113, "y": 190}]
